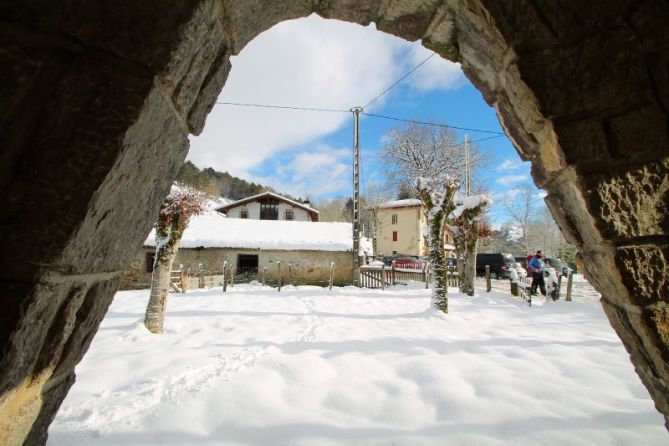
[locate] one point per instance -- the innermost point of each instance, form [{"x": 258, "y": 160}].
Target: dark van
[{"x": 500, "y": 264}]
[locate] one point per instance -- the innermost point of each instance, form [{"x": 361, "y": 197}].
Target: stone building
[
  {"x": 399, "y": 229},
  {"x": 269, "y": 206},
  {"x": 249, "y": 246}
]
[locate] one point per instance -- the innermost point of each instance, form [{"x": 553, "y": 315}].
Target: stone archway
[{"x": 97, "y": 98}]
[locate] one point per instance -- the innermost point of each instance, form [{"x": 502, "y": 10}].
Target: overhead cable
[
  {"x": 433, "y": 124},
  {"x": 285, "y": 107},
  {"x": 400, "y": 80}
]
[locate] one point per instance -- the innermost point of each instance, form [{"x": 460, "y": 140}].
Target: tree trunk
[
  {"x": 469, "y": 268},
  {"x": 160, "y": 286},
  {"x": 438, "y": 263}
]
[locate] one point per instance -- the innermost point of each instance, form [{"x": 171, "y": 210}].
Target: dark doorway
[{"x": 247, "y": 263}]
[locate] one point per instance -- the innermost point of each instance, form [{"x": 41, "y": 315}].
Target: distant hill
[{"x": 221, "y": 184}]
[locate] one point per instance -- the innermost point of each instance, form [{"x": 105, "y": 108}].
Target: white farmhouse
[{"x": 269, "y": 206}]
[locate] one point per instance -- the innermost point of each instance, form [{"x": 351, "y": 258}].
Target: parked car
[
  {"x": 452, "y": 263},
  {"x": 500, "y": 264},
  {"x": 557, "y": 264},
  {"x": 402, "y": 261}
]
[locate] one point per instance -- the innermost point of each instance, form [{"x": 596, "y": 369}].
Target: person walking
[{"x": 536, "y": 266}]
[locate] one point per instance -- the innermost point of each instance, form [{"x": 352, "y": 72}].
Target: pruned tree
[
  {"x": 469, "y": 229},
  {"x": 175, "y": 213},
  {"x": 429, "y": 159}
]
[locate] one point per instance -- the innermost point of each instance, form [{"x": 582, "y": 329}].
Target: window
[
  {"x": 150, "y": 260},
  {"x": 394, "y": 236},
  {"x": 269, "y": 209},
  {"x": 244, "y": 213},
  {"x": 394, "y": 219},
  {"x": 290, "y": 215},
  {"x": 247, "y": 263}
]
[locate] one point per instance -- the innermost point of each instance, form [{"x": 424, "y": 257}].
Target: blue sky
[{"x": 321, "y": 63}]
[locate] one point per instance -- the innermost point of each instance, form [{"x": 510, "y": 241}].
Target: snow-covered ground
[{"x": 308, "y": 366}]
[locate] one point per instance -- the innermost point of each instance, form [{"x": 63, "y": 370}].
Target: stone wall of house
[{"x": 308, "y": 267}]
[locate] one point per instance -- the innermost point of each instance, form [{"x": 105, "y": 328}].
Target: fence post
[
  {"x": 570, "y": 282},
  {"x": 278, "y": 275},
  {"x": 264, "y": 276},
  {"x": 332, "y": 264},
  {"x": 488, "y": 285},
  {"x": 559, "y": 285},
  {"x": 290, "y": 273},
  {"x": 200, "y": 278},
  {"x": 392, "y": 272},
  {"x": 225, "y": 276},
  {"x": 425, "y": 274},
  {"x": 183, "y": 282},
  {"x": 383, "y": 276},
  {"x": 232, "y": 275}
]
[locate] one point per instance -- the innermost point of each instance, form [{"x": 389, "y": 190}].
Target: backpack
[{"x": 527, "y": 263}]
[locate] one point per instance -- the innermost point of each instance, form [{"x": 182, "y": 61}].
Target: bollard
[
  {"x": 290, "y": 273},
  {"x": 383, "y": 276},
  {"x": 392, "y": 272},
  {"x": 570, "y": 282},
  {"x": 200, "y": 279},
  {"x": 331, "y": 273},
  {"x": 225, "y": 276},
  {"x": 232, "y": 276},
  {"x": 425, "y": 275},
  {"x": 559, "y": 286},
  {"x": 264, "y": 276},
  {"x": 488, "y": 285},
  {"x": 278, "y": 275}
]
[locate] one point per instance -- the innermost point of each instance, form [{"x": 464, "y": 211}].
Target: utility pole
[
  {"x": 468, "y": 174},
  {"x": 356, "y": 195}
]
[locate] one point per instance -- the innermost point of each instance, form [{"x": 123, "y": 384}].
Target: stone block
[
  {"x": 102, "y": 136},
  {"x": 583, "y": 78},
  {"x": 208, "y": 94},
  {"x": 247, "y": 19},
  {"x": 408, "y": 19},
  {"x": 632, "y": 201},
  {"x": 349, "y": 10},
  {"x": 582, "y": 141},
  {"x": 645, "y": 273},
  {"x": 639, "y": 134}
]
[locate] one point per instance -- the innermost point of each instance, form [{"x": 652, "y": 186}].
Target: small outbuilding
[{"x": 251, "y": 247}]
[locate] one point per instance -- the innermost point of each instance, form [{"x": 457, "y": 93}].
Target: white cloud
[
  {"x": 541, "y": 194},
  {"x": 312, "y": 173},
  {"x": 309, "y": 62},
  {"x": 509, "y": 165},
  {"x": 436, "y": 73},
  {"x": 510, "y": 179}
]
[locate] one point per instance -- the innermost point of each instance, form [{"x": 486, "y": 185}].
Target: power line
[
  {"x": 285, "y": 107},
  {"x": 400, "y": 79},
  {"x": 433, "y": 124}
]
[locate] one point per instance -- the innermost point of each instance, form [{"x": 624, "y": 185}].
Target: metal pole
[
  {"x": 468, "y": 176},
  {"x": 356, "y": 196}
]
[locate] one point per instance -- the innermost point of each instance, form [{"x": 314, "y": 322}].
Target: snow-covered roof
[
  {"x": 313, "y": 212},
  {"x": 409, "y": 202},
  {"x": 213, "y": 230}
]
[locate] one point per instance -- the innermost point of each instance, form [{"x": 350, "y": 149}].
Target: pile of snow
[
  {"x": 309, "y": 366},
  {"x": 213, "y": 230},
  {"x": 402, "y": 203}
]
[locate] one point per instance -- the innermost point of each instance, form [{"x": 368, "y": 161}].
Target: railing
[{"x": 373, "y": 276}]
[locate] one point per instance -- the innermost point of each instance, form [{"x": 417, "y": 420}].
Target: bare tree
[
  {"x": 175, "y": 212},
  {"x": 429, "y": 159},
  {"x": 521, "y": 208}
]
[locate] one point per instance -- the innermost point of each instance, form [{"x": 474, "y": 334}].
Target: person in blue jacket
[{"x": 536, "y": 266}]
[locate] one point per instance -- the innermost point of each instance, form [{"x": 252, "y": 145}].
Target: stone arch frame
[{"x": 97, "y": 98}]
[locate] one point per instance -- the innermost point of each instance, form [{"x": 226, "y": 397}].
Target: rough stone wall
[
  {"x": 309, "y": 267},
  {"x": 97, "y": 98}
]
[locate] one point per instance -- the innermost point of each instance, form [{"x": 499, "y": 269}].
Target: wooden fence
[{"x": 372, "y": 276}]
